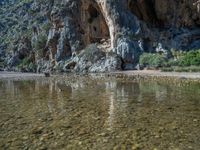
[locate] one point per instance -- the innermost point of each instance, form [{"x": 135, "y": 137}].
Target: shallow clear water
[{"x": 91, "y": 113}]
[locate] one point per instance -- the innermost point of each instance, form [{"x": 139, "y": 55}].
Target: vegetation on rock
[
  {"x": 40, "y": 45},
  {"x": 179, "y": 61},
  {"x": 152, "y": 60}
]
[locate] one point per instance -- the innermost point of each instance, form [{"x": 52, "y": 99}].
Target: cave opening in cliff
[
  {"x": 144, "y": 10},
  {"x": 97, "y": 27},
  {"x": 93, "y": 13}
]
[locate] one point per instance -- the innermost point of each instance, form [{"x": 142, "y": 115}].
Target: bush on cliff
[
  {"x": 2, "y": 64},
  {"x": 27, "y": 65},
  {"x": 191, "y": 58},
  {"x": 40, "y": 45},
  {"x": 180, "y": 61},
  {"x": 152, "y": 60}
]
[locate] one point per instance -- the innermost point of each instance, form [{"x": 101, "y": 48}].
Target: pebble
[
  {"x": 61, "y": 134},
  {"x": 195, "y": 120},
  {"x": 135, "y": 147},
  {"x": 37, "y": 130},
  {"x": 107, "y": 135},
  {"x": 25, "y": 138}
]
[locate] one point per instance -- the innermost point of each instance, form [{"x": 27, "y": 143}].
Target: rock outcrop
[
  {"x": 88, "y": 21},
  {"x": 125, "y": 28}
]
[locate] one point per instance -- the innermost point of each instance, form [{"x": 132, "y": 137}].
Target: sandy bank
[
  {"x": 154, "y": 73},
  {"x": 144, "y": 73},
  {"x": 19, "y": 75}
]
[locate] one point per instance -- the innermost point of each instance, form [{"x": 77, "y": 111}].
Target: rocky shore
[
  {"x": 185, "y": 77},
  {"x": 153, "y": 73},
  {"x": 19, "y": 75},
  {"x": 158, "y": 76}
]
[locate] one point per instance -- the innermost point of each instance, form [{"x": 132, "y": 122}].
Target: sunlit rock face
[
  {"x": 130, "y": 26},
  {"x": 125, "y": 27},
  {"x": 84, "y": 22}
]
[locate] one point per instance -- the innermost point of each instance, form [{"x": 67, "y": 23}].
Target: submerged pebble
[{"x": 99, "y": 112}]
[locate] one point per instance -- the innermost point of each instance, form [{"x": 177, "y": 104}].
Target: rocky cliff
[{"x": 94, "y": 35}]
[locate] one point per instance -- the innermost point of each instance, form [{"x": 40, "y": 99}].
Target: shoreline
[
  {"x": 135, "y": 74},
  {"x": 157, "y": 73},
  {"x": 18, "y": 75}
]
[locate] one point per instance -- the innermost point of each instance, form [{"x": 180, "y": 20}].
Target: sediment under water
[{"x": 96, "y": 113}]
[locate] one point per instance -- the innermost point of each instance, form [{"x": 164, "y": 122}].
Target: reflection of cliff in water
[
  {"x": 133, "y": 99},
  {"x": 113, "y": 101},
  {"x": 97, "y": 112}
]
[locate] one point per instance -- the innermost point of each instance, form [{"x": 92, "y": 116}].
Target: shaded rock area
[
  {"x": 23, "y": 50},
  {"x": 53, "y": 34}
]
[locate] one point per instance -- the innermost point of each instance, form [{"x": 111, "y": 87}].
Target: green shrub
[
  {"x": 172, "y": 62},
  {"x": 152, "y": 60},
  {"x": 32, "y": 67},
  {"x": 40, "y": 45},
  {"x": 190, "y": 58},
  {"x": 27, "y": 65},
  {"x": 47, "y": 27},
  {"x": 26, "y": 61},
  {"x": 181, "y": 61},
  {"x": 2, "y": 64}
]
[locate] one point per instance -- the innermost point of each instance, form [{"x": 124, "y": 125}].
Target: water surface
[{"x": 92, "y": 113}]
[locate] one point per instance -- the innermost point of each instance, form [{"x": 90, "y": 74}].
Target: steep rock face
[
  {"x": 178, "y": 13},
  {"x": 124, "y": 27},
  {"x": 169, "y": 24},
  {"x": 132, "y": 26},
  {"x": 90, "y": 21},
  {"x": 23, "y": 51}
]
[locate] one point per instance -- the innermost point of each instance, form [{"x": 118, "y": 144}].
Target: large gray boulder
[
  {"x": 92, "y": 60},
  {"x": 129, "y": 51}
]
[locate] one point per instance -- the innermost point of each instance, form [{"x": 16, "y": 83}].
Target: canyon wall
[{"x": 121, "y": 29}]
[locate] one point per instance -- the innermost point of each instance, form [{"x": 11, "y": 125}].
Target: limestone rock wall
[
  {"x": 132, "y": 26},
  {"x": 124, "y": 27},
  {"x": 83, "y": 22}
]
